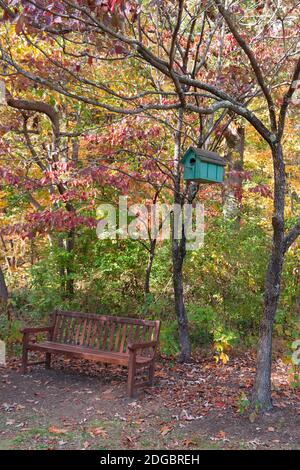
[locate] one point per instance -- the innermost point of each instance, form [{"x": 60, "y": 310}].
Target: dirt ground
[{"x": 81, "y": 405}]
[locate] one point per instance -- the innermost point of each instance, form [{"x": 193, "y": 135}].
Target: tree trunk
[
  {"x": 178, "y": 254},
  {"x": 69, "y": 245},
  {"x": 66, "y": 265},
  {"x": 262, "y": 397},
  {"x": 262, "y": 386},
  {"x": 3, "y": 293},
  {"x": 232, "y": 196},
  {"x": 149, "y": 267}
]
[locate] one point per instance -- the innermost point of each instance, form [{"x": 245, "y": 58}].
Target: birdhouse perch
[{"x": 203, "y": 166}]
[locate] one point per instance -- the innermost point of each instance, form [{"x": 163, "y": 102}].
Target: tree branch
[
  {"x": 291, "y": 236},
  {"x": 39, "y": 107},
  {"x": 255, "y": 66},
  {"x": 287, "y": 98}
]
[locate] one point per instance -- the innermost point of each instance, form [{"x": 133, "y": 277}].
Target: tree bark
[
  {"x": 261, "y": 399},
  {"x": 232, "y": 196},
  {"x": 69, "y": 286},
  {"x": 149, "y": 267},
  {"x": 3, "y": 292},
  {"x": 178, "y": 254}
]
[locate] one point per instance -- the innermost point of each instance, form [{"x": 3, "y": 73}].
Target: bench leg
[
  {"x": 24, "y": 360},
  {"x": 48, "y": 361},
  {"x": 151, "y": 373},
  {"x": 131, "y": 376}
]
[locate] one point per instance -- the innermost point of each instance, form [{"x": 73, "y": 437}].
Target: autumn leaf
[
  {"x": 165, "y": 429},
  {"x": 55, "y": 430},
  {"x": 189, "y": 443},
  {"x": 99, "y": 432}
]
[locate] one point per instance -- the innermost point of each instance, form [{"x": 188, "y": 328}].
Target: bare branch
[
  {"x": 255, "y": 66},
  {"x": 292, "y": 236},
  {"x": 287, "y": 98}
]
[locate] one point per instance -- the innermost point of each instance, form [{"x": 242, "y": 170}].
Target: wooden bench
[{"x": 114, "y": 340}]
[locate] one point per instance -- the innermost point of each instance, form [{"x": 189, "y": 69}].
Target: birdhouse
[{"x": 203, "y": 166}]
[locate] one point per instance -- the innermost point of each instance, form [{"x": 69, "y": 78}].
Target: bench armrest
[
  {"x": 36, "y": 330},
  {"x": 136, "y": 346}
]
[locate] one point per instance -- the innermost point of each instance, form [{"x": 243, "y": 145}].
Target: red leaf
[
  {"x": 19, "y": 26},
  {"x": 113, "y": 3}
]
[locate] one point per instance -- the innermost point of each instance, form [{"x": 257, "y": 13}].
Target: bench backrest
[{"x": 105, "y": 333}]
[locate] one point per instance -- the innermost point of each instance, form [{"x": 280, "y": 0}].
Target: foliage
[
  {"x": 242, "y": 403},
  {"x": 10, "y": 330},
  {"x": 224, "y": 286}
]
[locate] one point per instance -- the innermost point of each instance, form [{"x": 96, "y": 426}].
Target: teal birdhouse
[{"x": 203, "y": 166}]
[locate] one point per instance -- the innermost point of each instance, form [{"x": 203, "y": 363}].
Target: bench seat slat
[{"x": 87, "y": 353}]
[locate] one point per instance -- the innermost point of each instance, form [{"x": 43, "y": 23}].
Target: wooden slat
[
  {"x": 61, "y": 325},
  {"x": 112, "y": 337},
  {"x": 151, "y": 333},
  {"x": 148, "y": 337},
  {"x": 78, "y": 331},
  {"x": 144, "y": 339},
  {"x": 93, "y": 334},
  {"x": 106, "y": 329},
  {"x": 88, "y": 331},
  {"x": 123, "y": 338},
  {"x": 99, "y": 334},
  {"x": 130, "y": 336},
  {"x": 136, "y": 321},
  {"x": 102, "y": 332},
  {"x": 73, "y": 330},
  {"x": 101, "y": 329},
  {"x": 81, "y": 341},
  {"x": 66, "y": 331},
  {"x": 137, "y": 334},
  {"x": 86, "y": 353},
  {"x": 117, "y": 339},
  {"x": 57, "y": 326},
  {"x": 67, "y": 328},
  {"x": 54, "y": 316}
]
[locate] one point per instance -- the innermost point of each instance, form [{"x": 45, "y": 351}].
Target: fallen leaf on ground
[
  {"x": 9, "y": 422},
  {"x": 99, "y": 432},
  {"x": 20, "y": 407},
  {"x": 189, "y": 443},
  {"x": 55, "y": 430},
  {"x": 165, "y": 429}
]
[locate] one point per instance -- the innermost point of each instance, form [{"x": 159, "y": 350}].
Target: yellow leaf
[{"x": 224, "y": 358}]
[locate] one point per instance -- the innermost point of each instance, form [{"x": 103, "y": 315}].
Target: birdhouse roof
[{"x": 204, "y": 156}]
